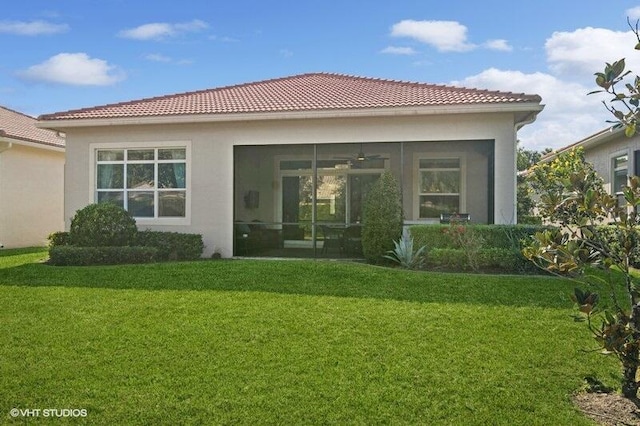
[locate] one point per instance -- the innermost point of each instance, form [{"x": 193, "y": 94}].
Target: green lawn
[{"x": 289, "y": 342}]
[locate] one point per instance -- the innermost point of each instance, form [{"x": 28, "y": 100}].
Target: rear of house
[
  {"x": 31, "y": 181},
  {"x": 271, "y": 168}
]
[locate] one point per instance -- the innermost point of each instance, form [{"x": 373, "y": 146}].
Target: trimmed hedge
[
  {"x": 165, "y": 246},
  {"x": 59, "y": 239},
  {"x": 172, "y": 245},
  {"x": 488, "y": 259},
  {"x": 86, "y": 256},
  {"x": 500, "y": 251},
  {"x": 495, "y": 236}
]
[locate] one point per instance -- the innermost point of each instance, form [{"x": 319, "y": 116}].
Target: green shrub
[
  {"x": 102, "y": 225},
  {"x": 488, "y": 259},
  {"x": 86, "y": 256},
  {"x": 58, "y": 239},
  {"x": 382, "y": 218},
  {"x": 611, "y": 234},
  {"x": 172, "y": 245},
  {"x": 494, "y": 236},
  {"x": 500, "y": 249},
  {"x": 529, "y": 220}
]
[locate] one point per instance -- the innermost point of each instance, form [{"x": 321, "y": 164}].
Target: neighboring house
[
  {"x": 257, "y": 168},
  {"x": 31, "y": 181},
  {"x": 614, "y": 156}
]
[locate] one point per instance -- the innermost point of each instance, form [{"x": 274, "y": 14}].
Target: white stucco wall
[
  {"x": 212, "y": 157},
  {"x": 31, "y": 195}
]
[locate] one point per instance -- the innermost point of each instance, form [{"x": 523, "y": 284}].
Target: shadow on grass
[{"x": 317, "y": 278}]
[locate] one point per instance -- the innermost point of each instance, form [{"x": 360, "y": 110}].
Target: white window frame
[
  {"x": 462, "y": 157},
  {"x": 612, "y": 161},
  {"x": 614, "y": 157},
  {"x": 161, "y": 221}
]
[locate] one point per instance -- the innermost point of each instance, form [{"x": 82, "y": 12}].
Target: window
[
  {"x": 148, "y": 182},
  {"x": 619, "y": 167},
  {"x": 439, "y": 186}
]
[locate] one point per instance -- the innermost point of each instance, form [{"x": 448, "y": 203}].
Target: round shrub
[{"x": 102, "y": 225}]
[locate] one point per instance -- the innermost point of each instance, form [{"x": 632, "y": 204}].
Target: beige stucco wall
[
  {"x": 212, "y": 157},
  {"x": 31, "y": 195}
]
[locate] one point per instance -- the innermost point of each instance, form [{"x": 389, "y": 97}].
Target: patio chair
[{"x": 332, "y": 239}]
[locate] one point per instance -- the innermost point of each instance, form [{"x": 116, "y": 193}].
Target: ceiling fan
[{"x": 360, "y": 157}]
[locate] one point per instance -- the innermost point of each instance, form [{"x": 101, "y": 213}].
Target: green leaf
[
  {"x": 630, "y": 130},
  {"x": 617, "y": 68}
]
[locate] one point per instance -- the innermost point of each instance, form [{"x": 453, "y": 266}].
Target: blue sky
[{"x": 78, "y": 53}]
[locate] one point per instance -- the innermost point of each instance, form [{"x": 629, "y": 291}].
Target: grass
[{"x": 295, "y": 342}]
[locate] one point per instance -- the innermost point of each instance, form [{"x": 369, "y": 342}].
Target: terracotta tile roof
[
  {"x": 16, "y": 125},
  {"x": 305, "y": 92}
]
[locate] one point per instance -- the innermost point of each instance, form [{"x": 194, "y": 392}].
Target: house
[
  {"x": 614, "y": 156},
  {"x": 31, "y": 181},
  {"x": 257, "y": 168}
]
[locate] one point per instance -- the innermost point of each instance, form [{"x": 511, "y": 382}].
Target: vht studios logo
[{"x": 48, "y": 412}]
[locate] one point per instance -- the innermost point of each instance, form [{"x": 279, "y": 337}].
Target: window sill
[{"x": 165, "y": 221}]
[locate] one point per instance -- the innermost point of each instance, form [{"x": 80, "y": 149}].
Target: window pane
[
  {"x": 140, "y": 154},
  {"x": 440, "y": 163},
  {"x": 442, "y": 182},
  {"x": 620, "y": 162},
  {"x": 431, "y": 206},
  {"x": 110, "y": 176},
  {"x": 172, "y": 154},
  {"x": 116, "y": 198},
  {"x": 619, "y": 180},
  {"x": 171, "y": 175},
  {"x": 111, "y": 155},
  {"x": 140, "y": 204},
  {"x": 331, "y": 198},
  {"x": 172, "y": 204},
  {"x": 140, "y": 176}
]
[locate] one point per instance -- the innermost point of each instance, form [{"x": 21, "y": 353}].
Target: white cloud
[
  {"x": 581, "y": 53},
  {"x": 223, "y": 39},
  {"x": 157, "y": 57},
  {"x": 445, "y": 36},
  {"x": 395, "y": 50},
  {"x": 501, "y": 45},
  {"x": 74, "y": 69},
  {"x": 32, "y": 28},
  {"x": 569, "y": 114},
  {"x": 161, "y": 30},
  {"x": 286, "y": 53},
  {"x": 633, "y": 13}
]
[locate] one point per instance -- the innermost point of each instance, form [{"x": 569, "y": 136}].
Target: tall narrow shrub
[{"x": 382, "y": 218}]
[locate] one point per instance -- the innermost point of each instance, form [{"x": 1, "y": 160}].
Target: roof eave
[
  {"x": 517, "y": 108},
  {"x": 593, "y": 140},
  {"x": 30, "y": 143}
]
